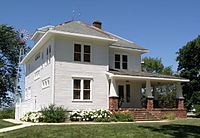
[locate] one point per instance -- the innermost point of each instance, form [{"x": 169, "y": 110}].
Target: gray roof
[
  {"x": 82, "y": 28},
  {"x": 143, "y": 74}
]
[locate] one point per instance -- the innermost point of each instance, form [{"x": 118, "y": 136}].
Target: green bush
[
  {"x": 168, "y": 116},
  {"x": 53, "y": 114},
  {"x": 7, "y": 113},
  {"x": 122, "y": 117},
  {"x": 197, "y": 109},
  {"x": 107, "y": 119}
]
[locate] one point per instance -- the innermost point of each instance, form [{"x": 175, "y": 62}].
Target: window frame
[
  {"x": 82, "y": 52},
  {"x": 47, "y": 83},
  {"x": 77, "y": 52},
  {"x": 82, "y": 89},
  {"x": 121, "y": 60}
]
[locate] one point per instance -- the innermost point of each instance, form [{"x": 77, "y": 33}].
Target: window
[
  {"x": 86, "y": 90},
  {"x": 49, "y": 50},
  {"x": 82, "y": 55},
  {"x": 28, "y": 93},
  {"x": 37, "y": 75},
  {"x": 77, "y": 52},
  {"x": 124, "y": 62},
  {"x": 46, "y": 83},
  {"x": 117, "y": 61},
  {"x": 128, "y": 93},
  {"x": 121, "y": 92},
  {"x": 81, "y": 89},
  {"x": 86, "y": 53},
  {"x": 37, "y": 56},
  {"x": 121, "y": 61},
  {"x": 77, "y": 89}
]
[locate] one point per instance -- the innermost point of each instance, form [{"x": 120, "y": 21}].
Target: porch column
[
  {"x": 179, "y": 96},
  {"x": 149, "y": 95},
  {"x": 113, "y": 97}
]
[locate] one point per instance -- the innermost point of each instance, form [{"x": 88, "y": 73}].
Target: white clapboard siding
[{"x": 66, "y": 68}]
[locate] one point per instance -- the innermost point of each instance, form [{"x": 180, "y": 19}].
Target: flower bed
[
  {"x": 89, "y": 115},
  {"x": 33, "y": 117}
]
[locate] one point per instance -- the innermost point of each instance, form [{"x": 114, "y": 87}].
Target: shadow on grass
[{"x": 176, "y": 130}]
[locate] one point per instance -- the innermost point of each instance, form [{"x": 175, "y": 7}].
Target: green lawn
[
  {"x": 178, "y": 128},
  {"x": 4, "y": 124}
]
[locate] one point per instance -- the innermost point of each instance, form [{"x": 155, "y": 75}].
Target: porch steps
[{"x": 144, "y": 115}]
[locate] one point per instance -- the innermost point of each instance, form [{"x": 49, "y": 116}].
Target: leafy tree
[
  {"x": 10, "y": 45},
  {"x": 189, "y": 66},
  {"x": 165, "y": 94},
  {"x": 155, "y": 65}
]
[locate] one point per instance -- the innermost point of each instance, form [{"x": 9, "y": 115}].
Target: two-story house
[{"x": 79, "y": 66}]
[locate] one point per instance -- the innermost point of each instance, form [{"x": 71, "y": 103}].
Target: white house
[{"x": 79, "y": 66}]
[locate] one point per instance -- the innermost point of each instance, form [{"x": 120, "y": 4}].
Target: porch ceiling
[{"x": 144, "y": 76}]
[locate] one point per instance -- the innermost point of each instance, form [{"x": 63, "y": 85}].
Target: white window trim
[
  {"x": 82, "y": 52},
  {"x": 48, "y": 85},
  {"x": 27, "y": 94},
  {"x": 81, "y": 95},
  {"x": 36, "y": 75},
  {"x": 121, "y": 62}
]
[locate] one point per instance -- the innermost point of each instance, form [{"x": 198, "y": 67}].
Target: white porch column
[
  {"x": 113, "y": 97},
  {"x": 179, "y": 94},
  {"x": 148, "y": 89},
  {"x": 113, "y": 91}
]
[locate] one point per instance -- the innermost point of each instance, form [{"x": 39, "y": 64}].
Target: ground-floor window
[{"x": 81, "y": 89}]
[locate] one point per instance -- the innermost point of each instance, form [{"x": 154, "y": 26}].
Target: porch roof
[{"x": 144, "y": 76}]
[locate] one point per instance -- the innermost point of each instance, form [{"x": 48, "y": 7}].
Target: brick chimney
[{"x": 97, "y": 24}]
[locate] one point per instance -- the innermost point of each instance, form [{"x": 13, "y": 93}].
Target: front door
[{"x": 124, "y": 94}]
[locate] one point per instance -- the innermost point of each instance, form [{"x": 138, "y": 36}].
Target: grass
[
  {"x": 4, "y": 124},
  {"x": 177, "y": 128}
]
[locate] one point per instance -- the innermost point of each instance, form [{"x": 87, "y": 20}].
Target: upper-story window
[
  {"x": 37, "y": 56},
  {"x": 121, "y": 61},
  {"x": 124, "y": 62},
  {"x": 117, "y": 61},
  {"x": 86, "y": 53},
  {"x": 82, "y": 55},
  {"x": 77, "y": 52}
]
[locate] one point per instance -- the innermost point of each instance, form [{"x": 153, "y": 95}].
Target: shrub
[
  {"x": 90, "y": 115},
  {"x": 122, "y": 117},
  {"x": 197, "y": 109},
  {"x": 7, "y": 113},
  {"x": 32, "y": 117},
  {"x": 168, "y": 116},
  {"x": 53, "y": 114}
]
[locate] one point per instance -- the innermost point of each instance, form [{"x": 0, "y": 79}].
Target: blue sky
[{"x": 162, "y": 26}]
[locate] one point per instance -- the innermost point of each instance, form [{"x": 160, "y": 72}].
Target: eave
[{"x": 49, "y": 33}]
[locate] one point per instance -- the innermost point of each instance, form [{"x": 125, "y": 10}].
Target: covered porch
[{"x": 127, "y": 88}]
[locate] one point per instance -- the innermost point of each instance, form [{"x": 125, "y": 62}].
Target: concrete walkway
[{"x": 27, "y": 124}]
